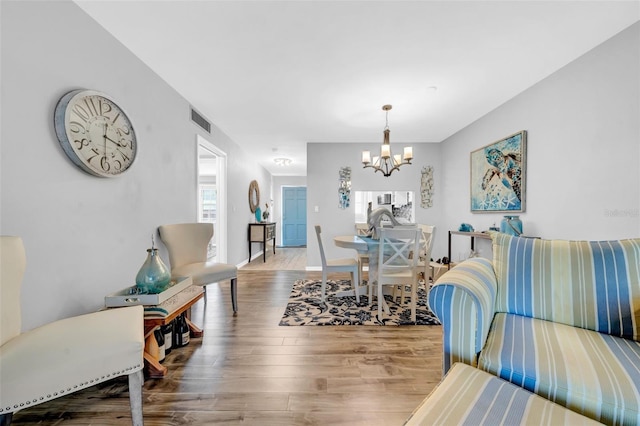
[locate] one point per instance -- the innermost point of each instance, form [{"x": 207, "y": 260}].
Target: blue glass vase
[
  {"x": 511, "y": 225},
  {"x": 153, "y": 277}
]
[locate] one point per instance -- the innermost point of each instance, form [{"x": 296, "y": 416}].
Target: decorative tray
[{"x": 128, "y": 297}]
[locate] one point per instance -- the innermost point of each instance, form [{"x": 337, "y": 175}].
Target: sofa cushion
[
  {"x": 588, "y": 284},
  {"x": 468, "y": 396},
  {"x": 594, "y": 374}
]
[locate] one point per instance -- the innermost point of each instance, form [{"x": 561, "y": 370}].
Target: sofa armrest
[{"x": 463, "y": 299}]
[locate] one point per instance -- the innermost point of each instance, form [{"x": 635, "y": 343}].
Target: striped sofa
[{"x": 558, "y": 318}]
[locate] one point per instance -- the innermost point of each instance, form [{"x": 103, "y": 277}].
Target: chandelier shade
[{"x": 386, "y": 162}]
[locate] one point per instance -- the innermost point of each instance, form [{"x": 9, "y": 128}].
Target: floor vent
[{"x": 200, "y": 120}]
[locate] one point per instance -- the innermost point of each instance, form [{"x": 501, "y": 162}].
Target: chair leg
[
  {"x": 135, "y": 397},
  {"x": 234, "y": 294},
  {"x": 414, "y": 299},
  {"x": 355, "y": 283},
  {"x": 324, "y": 285},
  {"x": 370, "y": 290},
  {"x": 380, "y": 297}
]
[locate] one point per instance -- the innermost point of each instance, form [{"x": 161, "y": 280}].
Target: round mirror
[{"x": 254, "y": 196}]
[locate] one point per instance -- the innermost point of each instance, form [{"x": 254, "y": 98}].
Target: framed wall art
[{"x": 498, "y": 175}]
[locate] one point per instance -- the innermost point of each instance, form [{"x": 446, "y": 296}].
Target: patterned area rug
[{"x": 305, "y": 308}]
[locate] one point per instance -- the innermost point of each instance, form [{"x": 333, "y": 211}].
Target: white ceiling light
[{"x": 282, "y": 161}]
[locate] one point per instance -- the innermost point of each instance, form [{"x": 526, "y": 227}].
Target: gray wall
[
  {"x": 86, "y": 237},
  {"x": 583, "y": 124}
]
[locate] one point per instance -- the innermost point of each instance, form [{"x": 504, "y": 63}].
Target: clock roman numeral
[
  {"x": 81, "y": 112},
  {"x": 91, "y": 106}
]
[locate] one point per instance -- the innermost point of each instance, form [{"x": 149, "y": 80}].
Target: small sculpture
[{"x": 374, "y": 218}]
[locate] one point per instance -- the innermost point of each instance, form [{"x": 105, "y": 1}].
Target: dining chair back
[
  {"x": 397, "y": 263},
  {"x": 362, "y": 230},
  {"x": 350, "y": 265},
  {"x": 426, "y": 244},
  {"x": 187, "y": 244}
]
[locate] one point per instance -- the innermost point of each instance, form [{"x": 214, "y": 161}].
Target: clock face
[{"x": 95, "y": 133}]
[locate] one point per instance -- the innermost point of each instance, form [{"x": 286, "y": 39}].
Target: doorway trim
[{"x": 221, "y": 186}]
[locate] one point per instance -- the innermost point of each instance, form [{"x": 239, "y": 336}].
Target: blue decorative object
[
  {"x": 511, "y": 225},
  {"x": 153, "y": 277},
  {"x": 465, "y": 227},
  {"x": 258, "y": 214}
]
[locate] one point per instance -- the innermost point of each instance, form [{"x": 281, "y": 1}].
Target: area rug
[{"x": 305, "y": 308}]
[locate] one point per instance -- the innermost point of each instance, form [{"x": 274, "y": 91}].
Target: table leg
[
  {"x": 154, "y": 368},
  {"x": 449, "y": 252},
  {"x": 195, "y": 331}
]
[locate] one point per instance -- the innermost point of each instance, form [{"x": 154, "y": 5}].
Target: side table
[
  {"x": 261, "y": 233},
  {"x": 473, "y": 236},
  {"x": 162, "y": 314}
]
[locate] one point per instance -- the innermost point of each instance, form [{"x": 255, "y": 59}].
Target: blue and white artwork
[
  {"x": 344, "y": 189},
  {"x": 498, "y": 175}
]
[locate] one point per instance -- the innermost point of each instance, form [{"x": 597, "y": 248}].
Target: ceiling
[{"x": 275, "y": 75}]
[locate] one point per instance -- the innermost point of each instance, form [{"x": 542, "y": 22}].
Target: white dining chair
[
  {"x": 350, "y": 265},
  {"x": 362, "y": 230},
  {"x": 397, "y": 263},
  {"x": 426, "y": 244},
  {"x": 424, "y": 268}
]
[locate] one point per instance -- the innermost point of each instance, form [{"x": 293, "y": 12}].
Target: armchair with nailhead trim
[{"x": 64, "y": 356}]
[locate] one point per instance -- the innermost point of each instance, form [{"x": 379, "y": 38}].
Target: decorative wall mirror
[{"x": 254, "y": 196}]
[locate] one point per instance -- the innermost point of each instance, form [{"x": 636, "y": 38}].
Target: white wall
[
  {"x": 324, "y": 161},
  {"x": 583, "y": 124},
  {"x": 86, "y": 237}
]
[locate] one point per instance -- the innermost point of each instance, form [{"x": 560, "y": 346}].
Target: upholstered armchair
[
  {"x": 64, "y": 356},
  {"x": 187, "y": 246}
]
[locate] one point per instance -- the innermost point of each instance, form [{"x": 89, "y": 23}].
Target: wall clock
[{"x": 95, "y": 133}]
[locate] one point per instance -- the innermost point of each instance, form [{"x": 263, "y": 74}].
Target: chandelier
[{"x": 386, "y": 163}]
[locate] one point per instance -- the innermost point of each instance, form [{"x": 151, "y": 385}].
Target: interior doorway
[{"x": 212, "y": 197}]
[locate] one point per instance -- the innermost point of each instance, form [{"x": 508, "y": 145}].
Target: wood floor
[
  {"x": 285, "y": 259},
  {"x": 248, "y": 370}
]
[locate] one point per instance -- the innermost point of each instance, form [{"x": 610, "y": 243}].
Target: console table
[
  {"x": 473, "y": 236},
  {"x": 261, "y": 233}
]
